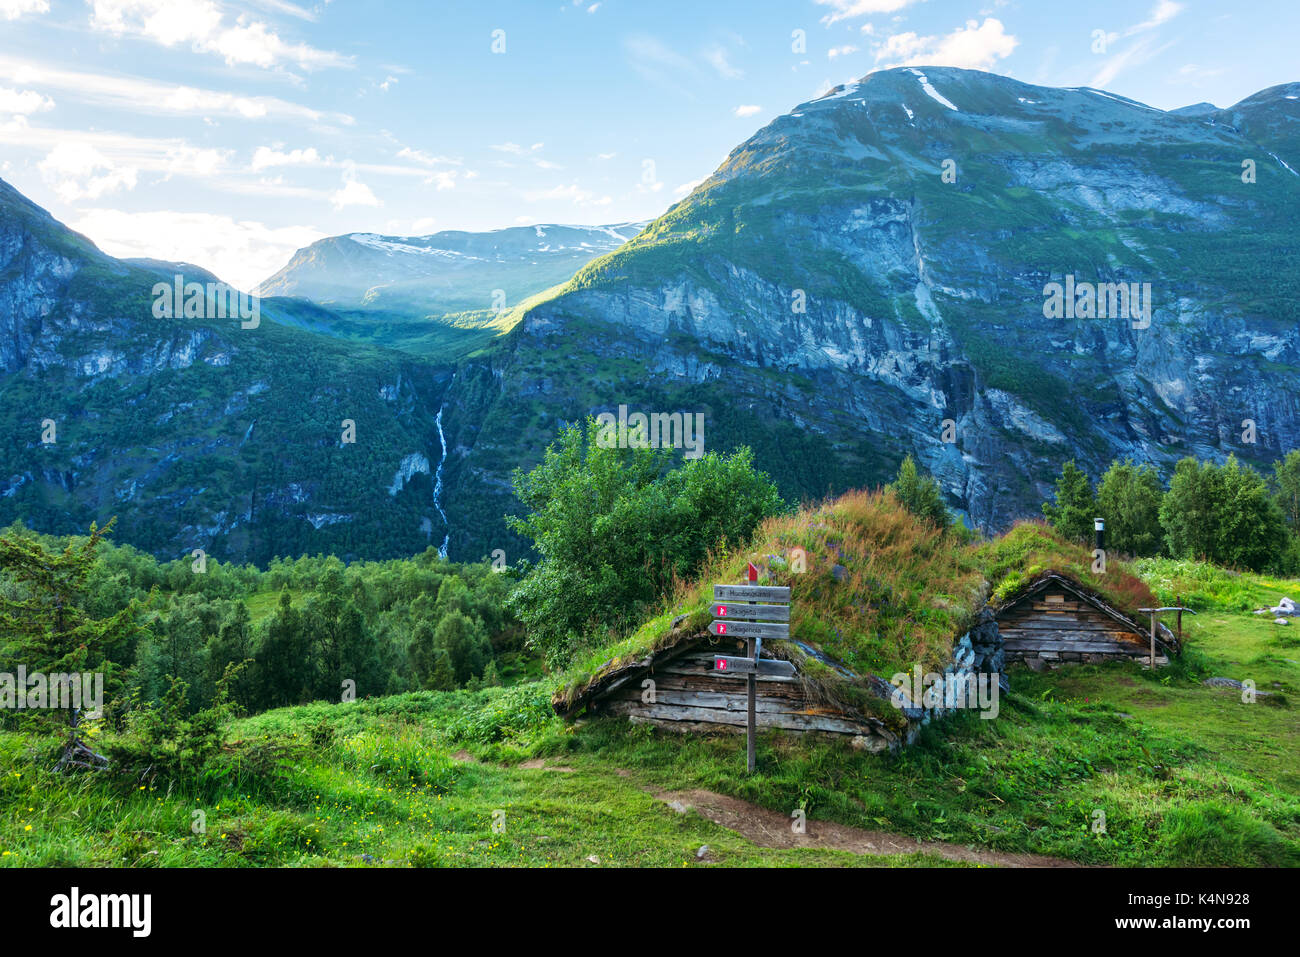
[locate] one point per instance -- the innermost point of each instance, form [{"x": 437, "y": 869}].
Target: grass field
[{"x": 1184, "y": 773}]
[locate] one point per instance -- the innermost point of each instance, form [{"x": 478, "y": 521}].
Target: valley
[{"x": 829, "y": 297}]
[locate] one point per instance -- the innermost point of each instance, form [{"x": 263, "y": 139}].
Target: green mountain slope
[
  {"x": 198, "y": 433},
  {"x": 832, "y": 297}
]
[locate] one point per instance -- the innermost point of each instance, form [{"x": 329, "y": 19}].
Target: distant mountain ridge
[{"x": 445, "y": 272}]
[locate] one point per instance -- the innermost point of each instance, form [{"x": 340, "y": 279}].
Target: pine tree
[
  {"x": 44, "y": 624},
  {"x": 920, "y": 494},
  {"x": 43, "y": 620}
]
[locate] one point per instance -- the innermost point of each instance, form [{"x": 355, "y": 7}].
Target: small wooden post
[
  {"x": 751, "y": 722},
  {"x": 1178, "y": 600},
  {"x": 1153, "y": 640}
]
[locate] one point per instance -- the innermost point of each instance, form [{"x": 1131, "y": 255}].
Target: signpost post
[{"x": 737, "y": 614}]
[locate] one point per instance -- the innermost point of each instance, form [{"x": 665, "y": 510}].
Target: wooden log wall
[
  {"x": 689, "y": 696},
  {"x": 1057, "y": 625}
]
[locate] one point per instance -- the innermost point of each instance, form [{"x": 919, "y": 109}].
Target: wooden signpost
[{"x": 736, "y": 614}]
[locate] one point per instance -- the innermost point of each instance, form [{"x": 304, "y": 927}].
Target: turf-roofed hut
[
  {"x": 1052, "y": 607},
  {"x": 881, "y": 593}
]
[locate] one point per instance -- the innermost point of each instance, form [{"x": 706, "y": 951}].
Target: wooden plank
[
  {"x": 1084, "y": 634},
  {"x": 731, "y": 609},
  {"x": 738, "y": 700},
  {"x": 750, "y": 593},
  {"x": 750, "y": 629},
  {"x": 1079, "y": 646},
  {"x": 726, "y": 665},
  {"x": 1047, "y": 637},
  {"x": 711, "y": 674},
  {"x": 809, "y": 721},
  {"x": 1060, "y": 624}
]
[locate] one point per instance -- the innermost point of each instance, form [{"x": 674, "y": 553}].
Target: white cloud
[
  {"x": 977, "y": 46},
  {"x": 265, "y": 157},
  {"x": 1142, "y": 49},
  {"x": 79, "y": 171},
  {"x": 656, "y": 63},
  {"x": 147, "y": 96},
  {"x": 13, "y": 9},
  {"x": 283, "y": 6},
  {"x": 1136, "y": 54},
  {"x": 186, "y": 160},
  {"x": 717, "y": 58},
  {"x": 572, "y": 193},
  {"x": 353, "y": 193},
  {"x": 748, "y": 109},
  {"x": 202, "y": 24},
  {"x": 852, "y": 9},
  {"x": 845, "y": 50},
  {"x": 593, "y": 8},
  {"x": 113, "y": 154},
  {"x": 687, "y": 187},
  {"x": 24, "y": 102},
  {"x": 514, "y": 149},
  {"x": 1161, "y": 13},
  {"x": 238, "y": 251},
  {"x": 426, "y": 159}
]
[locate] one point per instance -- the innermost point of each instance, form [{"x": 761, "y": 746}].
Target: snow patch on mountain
[{"x": 931, "y": 91}]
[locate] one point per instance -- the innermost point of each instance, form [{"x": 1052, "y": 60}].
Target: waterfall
[{"x": 437, "y": 477}]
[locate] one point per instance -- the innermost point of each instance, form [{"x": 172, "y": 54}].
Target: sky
[{"x": 231, "y": 134}]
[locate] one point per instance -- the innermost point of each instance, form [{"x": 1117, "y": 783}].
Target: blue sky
[{"x": 230, "y": 134}]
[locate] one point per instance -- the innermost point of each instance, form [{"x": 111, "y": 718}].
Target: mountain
[
  {"x": 198, "y": 433},
  {"x": 867, "y": 276},
  {"x": 829, "y": 296},
  {"x": 442, "y": 273}
]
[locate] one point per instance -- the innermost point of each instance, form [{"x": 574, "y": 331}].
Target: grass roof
[
  {"x": 881, "y": 592},
  {"x": 1015, "y": 561}
]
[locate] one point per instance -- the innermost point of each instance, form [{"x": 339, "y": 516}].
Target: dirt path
[{"x": 768, "y": 828}]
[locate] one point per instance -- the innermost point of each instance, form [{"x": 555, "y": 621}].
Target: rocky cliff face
[
  {"x": 872, "y": 267},
  {"x": 196, "y": 432}
]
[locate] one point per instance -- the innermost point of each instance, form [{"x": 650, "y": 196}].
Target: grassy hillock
[{"x": 880, "y": 590}]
